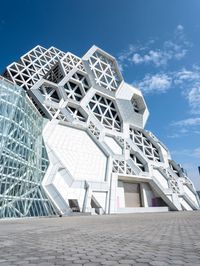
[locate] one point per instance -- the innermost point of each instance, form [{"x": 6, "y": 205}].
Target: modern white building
[{"x": 100, "y": 157}]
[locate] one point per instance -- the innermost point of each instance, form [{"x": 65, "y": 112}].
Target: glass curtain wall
[{"x": 23, "y": 157}]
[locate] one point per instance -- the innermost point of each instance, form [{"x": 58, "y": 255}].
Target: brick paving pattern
[{"x": 133, "y": 239}]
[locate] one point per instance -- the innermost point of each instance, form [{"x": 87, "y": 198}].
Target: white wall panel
[
  {"x": 78, "y": 152},
  {"x": 185, "y": 205},
  {"x": 190, "y": 194},
  {"x": 112, "y": 144}
]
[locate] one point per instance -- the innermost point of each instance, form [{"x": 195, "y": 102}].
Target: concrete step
[
  {"x": 142, "y": 209},
  {"x": 78, "y": 214}
]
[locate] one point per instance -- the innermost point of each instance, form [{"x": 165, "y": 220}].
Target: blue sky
[{"x": 157, "y": 44}]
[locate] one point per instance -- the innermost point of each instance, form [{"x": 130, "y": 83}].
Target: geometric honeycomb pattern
[
  {"x": 69, "y": 61},
  {"x": 122, "y": 167},
  {"x": 33, "y": 66},
  {"x": 174, "y": 169},
  {"x": 105, "y": 71},
  {"x": 52, "y": 110},
  {"x": 76, "y": 113},
  {"x": 78, "y": 94},
  {"x": 76, "y": 87},
  {"x": 105, "y": 111},
  {"x": 23, "y": 158},
  {"x": 94, "y": 130},
  {"x": 120, "y": 141},
  {"x": 145, "y": 144},
  {"x": 73, "y": 91},
  {"x": 137, "y": 161},
  {"x": 49, "y": 93},
  {"x": 173, "y": 183},
  {"x": 55, "y": 74}
]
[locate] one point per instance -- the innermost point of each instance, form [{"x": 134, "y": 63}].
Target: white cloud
[
  {"x": 193, "y": 97},
  {"x": 183, "y": 131},
  {"x": 189, "y": 82},
  {"x": 183, "y": 152},
  {"x": 137, "y": 59},
  {"x": 185, "y": 75},
  {"x": 187, "y": 152},
  {"x": 186, "y": 79},
  {"x": 174, "y": 49},
  {"x": 187, "y": 122},
  {"x": 179, "y": 30},
  {"x": 179, "y": 133},
  {"x": 155, "y": 83},
  {"x": 157, "y": 57},
  {"x": 180, "y": 54},
  {"x": 196, "y": 152},
  {"x": 174, "y": 136}
]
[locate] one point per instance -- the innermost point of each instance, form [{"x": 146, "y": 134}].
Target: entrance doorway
[{"x": 132, "y": 194}]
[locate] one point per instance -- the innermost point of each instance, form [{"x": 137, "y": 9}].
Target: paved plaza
[{"x": 133, "y": 239}]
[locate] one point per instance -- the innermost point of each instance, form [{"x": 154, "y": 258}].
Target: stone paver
[{"x": 132, "y": 239}]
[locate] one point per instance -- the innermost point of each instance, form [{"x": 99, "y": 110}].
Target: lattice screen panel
[
  {"x": 105, "y": 71},
  {"x": 145, "y": 144},
  {"x": 105, "y": 111}
]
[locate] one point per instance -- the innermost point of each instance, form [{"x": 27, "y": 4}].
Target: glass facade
[{"x": 23, "y": 157}]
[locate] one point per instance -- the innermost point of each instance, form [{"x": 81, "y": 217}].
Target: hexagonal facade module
[
  {"x": 101, "y": 158},
  {"x": 103, "y": 69}
]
